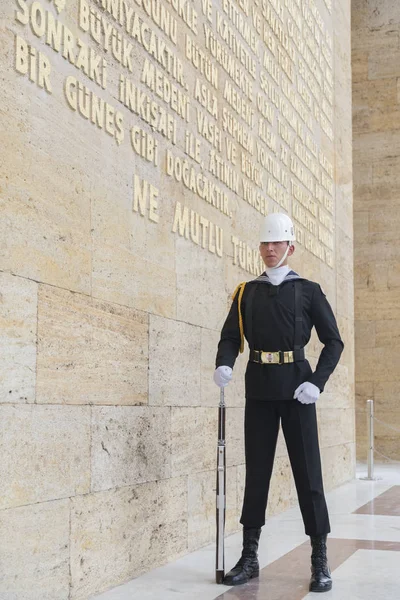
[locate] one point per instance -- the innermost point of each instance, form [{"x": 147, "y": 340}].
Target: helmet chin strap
[{"x": 283, "y": 258}]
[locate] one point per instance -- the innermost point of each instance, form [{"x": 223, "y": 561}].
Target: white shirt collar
[{"x": 276, "y": 276}]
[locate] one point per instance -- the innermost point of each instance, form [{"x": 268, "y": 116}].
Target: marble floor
[{"x": 363, "y": 550}]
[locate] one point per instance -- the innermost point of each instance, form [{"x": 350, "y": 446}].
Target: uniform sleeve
[
  {"x": 229, "y": 344},
  {"x": 328, "y": 333}
]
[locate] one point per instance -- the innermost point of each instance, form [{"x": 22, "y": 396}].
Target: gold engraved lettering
[
  {"x": 145, "y": 199},
  {"x": 255, "y": 197},
  {"x": 149, "y": 111},
  {"x": 301, "y": 215},
  {"x": 158, "y": 82},
  {"x": 225, "y": 58},
  {"x": 228, "y": 35},
  {"x": 224, "y": 172},
  {"x": 207, "y": 9},
  {"x": 121, "y": 12},
  {"x": 191, "y": 225},
  {"x": 81, "y": 99},
  {"x": 192, "y": 146},
  {"x": 121, "y": 46},
  {"x": 266, "y": 134},
  {"x": 269, "y": 138},
  {"x": 325, "y": 237},
  {"x": 185, "y": 11},
  {"x": 206, "y": 98},
  {"x": 243, "y": 26},
  {"x": 266, "y": 110},
  {"x": 324, "y": 198},
  {"x": 251, "y": 171},
  {"x": 244, "y": 109},
  {"x": 302, "y": 174},
  {"x": 325, "y": 163},
  {"x": 208, "y": 129},
  {"x": 307, "y": 159},
  {"x": 45, "y": 25},
  {"x": 201, "y": 61},
  {"x": 304, "y": 198},
  {"x": 246, "y": 258},
  {"x": 31, "y": 62},
  {"x": 278, "y": 194},
  {"x": 144, "y": 144},
  {"x": 230, "y": 151},
  {"x": 270, "y": 65},
  {"x": 326, "y": 220},
  {"x": 237, "y": 130},
  {"x": 195, "y": 181}
]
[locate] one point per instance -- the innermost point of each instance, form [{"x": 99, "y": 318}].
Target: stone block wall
[
  {"x": 143, "y": 142},
  {"x": 376, "y": 156}
]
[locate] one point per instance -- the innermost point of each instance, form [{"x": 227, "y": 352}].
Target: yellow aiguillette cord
[{"x": 240, "y": 287}]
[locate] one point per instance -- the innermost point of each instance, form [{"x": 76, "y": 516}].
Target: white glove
[
  {"x": 222, "y": 376},
  {"x": 307, "y": 393}
]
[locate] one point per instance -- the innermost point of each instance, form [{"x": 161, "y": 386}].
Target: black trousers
[{"x": 299, "y": 424}]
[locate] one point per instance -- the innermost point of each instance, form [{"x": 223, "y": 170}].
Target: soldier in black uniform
[{"x": 276, "y": 313}]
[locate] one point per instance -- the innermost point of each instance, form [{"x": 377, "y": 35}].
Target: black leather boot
[
  {"x": 247, "y": 567},
  {"x": 320, "y": 574}
]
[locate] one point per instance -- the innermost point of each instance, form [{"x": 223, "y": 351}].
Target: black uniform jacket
[{"x": 269, "y": 323}]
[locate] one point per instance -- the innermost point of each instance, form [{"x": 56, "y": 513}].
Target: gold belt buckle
[
  {"x": 270, "y": 358},
  {"x": 288, "y": 356}
]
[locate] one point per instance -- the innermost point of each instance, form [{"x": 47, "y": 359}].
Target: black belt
[{"x": 280, "y": 357}]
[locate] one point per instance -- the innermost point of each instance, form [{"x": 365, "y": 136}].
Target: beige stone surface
[
  {"x": 281, "y": 450},
  {"x": 194, "y": 433},
  {"x": 346, "y": 328},
  {"x": 235, "y": 435},
  {"x": 379, "y": 67},
  {"x": 119, "y": 275},
  {"x": 241, "y": 478},
  {"x": 344, "y": 217},
  {"x": 58, "y": 251},
  {"x": 175, "y": 363},
  {"x": 387, "y": 333},
  {"x": 378, "y": 364},
  {"x": 129, "y": 445},
  {"x": 364, "y": 392},
  {"x": 199, "y": 299},
  {"x": 34, "y": 549},
  {"x": 385, "y": 171},
  {"x": 359, "y": 64},
  {"x": 386, "y": 434},
  {"x": 375, "y": 14},
  {"x": 18, "y": 309},
  {"x": 380, "y": 119},
  {"x": 338, "y": 464},
  {"x": 201, "y": 506},
  {"x": 118, "y": 534},
  {"x": 338, "y": 391},
  {"x": 365, "y": 334},
  {"x": 89, "y": 351},
  {"x": 336, "y": 426},
  {"x": 369, "y": 37},
  {"x": 130, "y": 305},
  {"x": 345, "y": 299},
  {"x": 378, "y": 94},
  {"x": 46, "y": 453},
  {"x": 385, "y": 395},
  {"x": 377, "y": 144}
]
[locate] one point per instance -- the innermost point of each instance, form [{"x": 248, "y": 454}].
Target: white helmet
[{"x": 277, "y": 227}]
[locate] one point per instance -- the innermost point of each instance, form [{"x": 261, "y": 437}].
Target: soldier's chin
[{"x": 271, "y": 263}]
